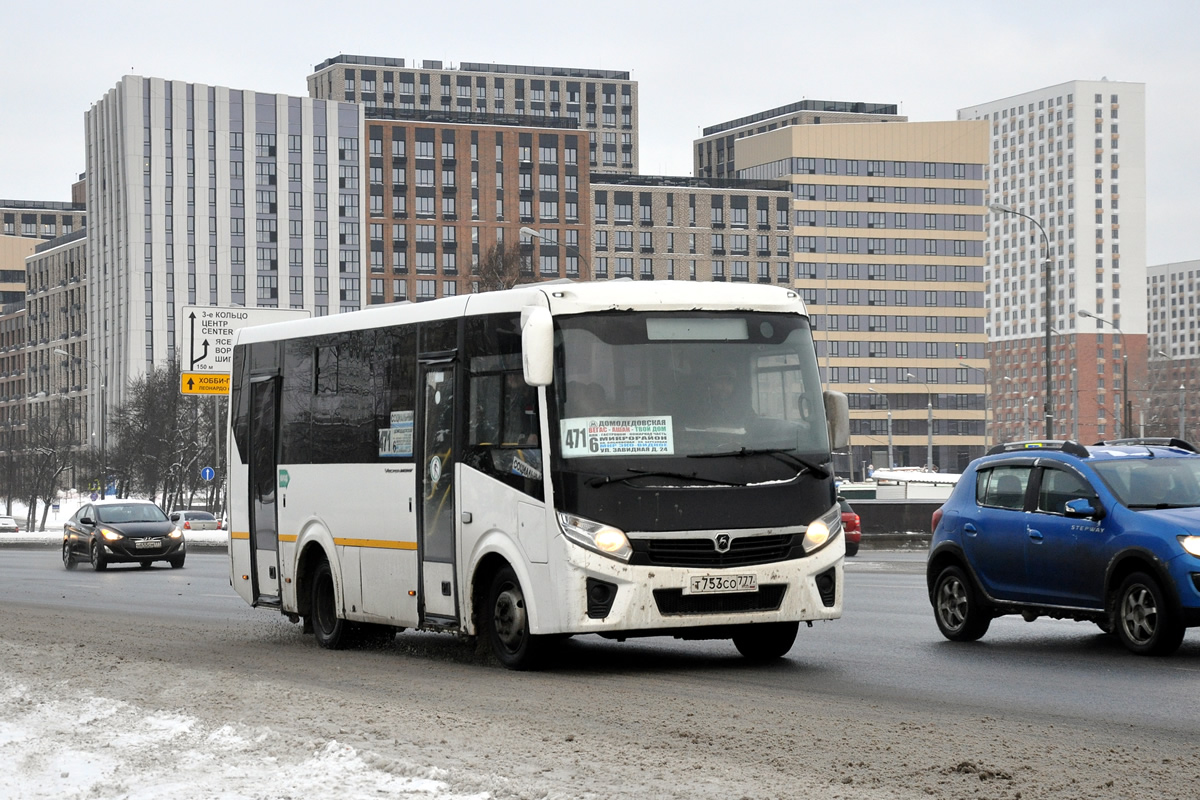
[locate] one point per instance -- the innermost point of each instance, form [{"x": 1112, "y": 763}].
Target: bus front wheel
[
  {"x": 767, "y": 641},
  {"x": 505, "y": 622},
  {"x": 332, "y": 632}
]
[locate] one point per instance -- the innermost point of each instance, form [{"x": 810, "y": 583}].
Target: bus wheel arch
[
  {"x": 502, "y": 615},
  {"x": 481, "y": 581},
  {"x": 306, "y": 566}
]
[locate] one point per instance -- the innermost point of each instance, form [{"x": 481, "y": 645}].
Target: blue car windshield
[{"x": 1142, "y": 483}]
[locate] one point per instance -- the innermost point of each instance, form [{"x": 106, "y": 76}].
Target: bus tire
[
  {"x": 505, "y": 623},
  {"x": 767, "y": 641},
  {"x": 332, "y": 632}
]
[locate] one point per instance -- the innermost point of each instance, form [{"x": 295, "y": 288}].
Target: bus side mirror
[
  {"x": 537, "y": 345},
  {"x": 837, "y": 417}
]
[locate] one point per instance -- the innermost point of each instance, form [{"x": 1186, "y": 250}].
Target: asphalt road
[{"x": 885, "y": 648}]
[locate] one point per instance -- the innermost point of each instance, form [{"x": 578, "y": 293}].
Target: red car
[{"x": 851, "y": 527}]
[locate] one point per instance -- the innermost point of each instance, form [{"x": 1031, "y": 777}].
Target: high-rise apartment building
[
  {"x": 603, "y": 103},
  {"x": 714, "y": 153},
  {"x": 1066, "y": 177},
  {"x": 887, "y": 251},
  {"x": 206, "y": 195},
  {"x": 670, "y": 228},
  {"x": 1170, "y": 402},
  {"x": 444, "y": 196},
  {"x": 58, "y": 333}
]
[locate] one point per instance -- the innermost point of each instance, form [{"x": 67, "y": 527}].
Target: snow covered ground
[{"x": 58, "y": 746}]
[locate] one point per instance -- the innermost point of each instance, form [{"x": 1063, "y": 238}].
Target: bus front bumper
[{"x": 601, "y": 595}]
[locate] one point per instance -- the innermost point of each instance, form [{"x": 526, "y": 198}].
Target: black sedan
[{"x": 121, "y": 531}]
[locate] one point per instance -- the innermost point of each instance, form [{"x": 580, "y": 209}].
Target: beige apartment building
[
  {"x": 887, "y": 252},
  {"x": 676, "y": 228}
]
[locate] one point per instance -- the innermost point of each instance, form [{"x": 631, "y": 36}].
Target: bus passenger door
[
  {"x": 437, "y": 524},
  {"x": 264, "y": 479}
]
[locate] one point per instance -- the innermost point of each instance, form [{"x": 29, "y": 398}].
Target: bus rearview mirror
[
  {"x": 837, "y": 417},
  {"x": 537, "y": 345}
]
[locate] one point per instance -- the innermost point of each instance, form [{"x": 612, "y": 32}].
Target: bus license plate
[
  {"x": 718, "y": 584},
  {"x": 146, "y": 544}
]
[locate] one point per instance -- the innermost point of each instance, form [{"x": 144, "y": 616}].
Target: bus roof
[{"x": 561, "y": 297}]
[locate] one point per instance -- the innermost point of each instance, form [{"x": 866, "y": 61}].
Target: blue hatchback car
[{"x": 1107, "y": 534}]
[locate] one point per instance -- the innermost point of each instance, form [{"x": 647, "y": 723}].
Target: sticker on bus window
[
  {"x": 616, "y": 436},
  {"x": 397, "y": 441}
]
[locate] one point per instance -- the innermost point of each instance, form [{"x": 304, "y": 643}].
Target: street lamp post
[
  {"x": 987, "y": 405},
  {"x": 929, "y": 437},
  {"x": 534, "y": 234},
  {"x": 1074, "y": 404},
  {"x": 103, "y": 416},
  {"x": 1181, "y": 407},
  {"x": 1046, "y": 407},
  {"x": 1125, "y": 404},
  {"x": 887, "y": 404}
]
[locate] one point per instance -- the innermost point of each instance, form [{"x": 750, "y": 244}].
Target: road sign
[
  {"x": 204, "y": 383},
  {"x": 208, "y": 473},
  {"x": 206, "y": 334}
]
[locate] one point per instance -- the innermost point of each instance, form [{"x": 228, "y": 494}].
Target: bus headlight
[
  {"x": 595, "y": 536},
  {"x": 821, "y": 531}
]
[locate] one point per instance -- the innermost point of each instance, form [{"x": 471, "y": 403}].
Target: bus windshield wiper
[
  {"x": 782, "y": 453},
  {"x": 600, "y": 480}
]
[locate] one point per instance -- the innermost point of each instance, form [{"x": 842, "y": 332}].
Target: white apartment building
[
  {"x": 206, "y": 195},
  {"x": 1071, "y": 157},
  {"x": 1171, "y": 403}
]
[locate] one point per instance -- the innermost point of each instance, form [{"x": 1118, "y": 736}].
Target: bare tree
[
  {"x": 503, "y": 267},
  {"x": 44, "y": 459},
  {"x": 162, "y": 437}
]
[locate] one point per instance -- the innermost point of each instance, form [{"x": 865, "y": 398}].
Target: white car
[
  {"x": 194, "y": 520},
  {"x": 9, "y": 525}
]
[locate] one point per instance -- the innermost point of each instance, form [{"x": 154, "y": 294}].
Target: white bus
[{"x": 618, "y": 458}]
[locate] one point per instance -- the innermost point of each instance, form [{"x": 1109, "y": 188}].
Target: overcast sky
[{"x": 696, "y": 63}]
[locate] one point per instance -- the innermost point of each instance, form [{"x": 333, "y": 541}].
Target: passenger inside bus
[
  {"x": 585, "y": 399},
  {"x": 724, "y": 400},
  {"x": 520, "y": 411}
]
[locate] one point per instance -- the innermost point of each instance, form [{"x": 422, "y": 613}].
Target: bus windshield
[{"x": 641, "y": 390}]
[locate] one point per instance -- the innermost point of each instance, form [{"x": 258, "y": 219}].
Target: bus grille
[
  {"x": 675, "y": 602},
  {"x": 743, "y": 551}
]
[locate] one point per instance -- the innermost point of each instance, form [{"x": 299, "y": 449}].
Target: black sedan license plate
[
  {"x": 147, "y": 544},
  {"x": 720, "y": 584}
]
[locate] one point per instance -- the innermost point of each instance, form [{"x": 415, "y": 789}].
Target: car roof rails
[
  {"x": 1068, "y": 446},
  {"x": 1149, "y": 441}
]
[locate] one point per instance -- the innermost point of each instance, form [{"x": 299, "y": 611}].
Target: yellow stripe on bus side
[
  {"x": 379, "y": 543},
  {"x": 382, "y": 544}
]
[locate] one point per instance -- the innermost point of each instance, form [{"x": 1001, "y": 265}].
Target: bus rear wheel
[
  {"x": 332, "y": 632},
  {"x": 766, "y": 642},
  {"x": 505, "y": 623}
]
